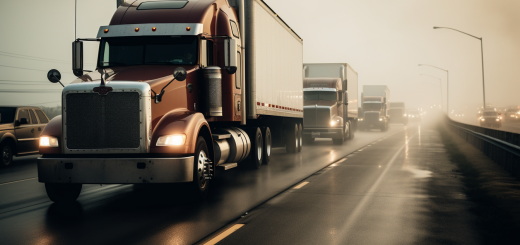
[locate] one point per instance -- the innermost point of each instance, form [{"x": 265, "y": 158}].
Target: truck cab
[
  {"x": 397, "y": 113},
  {"x": 324, "y": 110},
  {"x": 375, "y": 107}
]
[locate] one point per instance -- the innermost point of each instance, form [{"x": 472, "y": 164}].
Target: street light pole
[
  {"x": 440, "y": 84},
  {"x": 481, "y": 54},
  {"x": 447, "y": 87}
]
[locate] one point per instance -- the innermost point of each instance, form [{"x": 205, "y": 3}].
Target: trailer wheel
[
  {"x": 200, "y": 184},
  {"x": 266, "y": 132},
  {"x": 63, "y": 193},
  {"x": 300, "y": 137},
  {"x": 291, "y": 139},
  {"x": 257, "y": 147},
  {"x": 7, "y": 154}
]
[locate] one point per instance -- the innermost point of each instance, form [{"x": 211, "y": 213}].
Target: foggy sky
[{"x": 382, "y": 40}]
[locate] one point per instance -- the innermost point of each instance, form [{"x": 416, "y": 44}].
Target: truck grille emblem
[{"x": 102, "y": 90}]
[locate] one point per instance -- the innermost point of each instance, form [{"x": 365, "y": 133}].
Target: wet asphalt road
[
  {"x": 126, "y": 214},
  {"x": 370, "y": 198}
]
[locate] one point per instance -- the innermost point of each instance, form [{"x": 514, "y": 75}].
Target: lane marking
[
  {"x": 224, "y": 234},
  {"x": 16, "y": 181},
  {"x": 301, "y": 185}
]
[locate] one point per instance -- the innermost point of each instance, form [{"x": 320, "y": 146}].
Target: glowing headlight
[
  {"x": 171, "y": 140},
  {"x": 483, "y": 119},
  {"x": 405, "y": 115},
  {"x": 360, "y": 119},
  {"x": 48, "y": 141},
  {"x": 380, "y": 119},
  {"x": 498, "y": 119},
  {"x": 333, "y": 123}
]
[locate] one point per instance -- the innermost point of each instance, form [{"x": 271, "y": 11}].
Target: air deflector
[{"x": 162, "y": 5}]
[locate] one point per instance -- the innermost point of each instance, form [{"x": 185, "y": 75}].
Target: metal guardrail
[{"x": 502, "y": 147}]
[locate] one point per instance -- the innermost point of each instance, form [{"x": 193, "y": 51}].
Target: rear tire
[
  {"x": 291, "y": 140},
  {"x": 200, "y": 184},
  {"x": 7, "y": 152},
  {"x": 63, "y": 193},
  {"x": 257, "y": 147},
  {"x": 266, "y": 132}
]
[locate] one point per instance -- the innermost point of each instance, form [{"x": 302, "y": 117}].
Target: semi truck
[
  {"x": 397, "y": 113},
  {"x": 375, "y": 99},
  {"x": 180, "y": 88},
  {"x": 330, "y": 101}
]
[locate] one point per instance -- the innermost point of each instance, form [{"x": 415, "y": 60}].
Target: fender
[
  {"x": 180, "y": 121},
  {"x": 53, "y": 128},
  {"x": 8, "y": 135}
]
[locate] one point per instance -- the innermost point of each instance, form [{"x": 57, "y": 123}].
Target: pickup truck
[{"x": 20, "y": 129}]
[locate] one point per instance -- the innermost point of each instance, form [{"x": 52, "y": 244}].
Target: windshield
[
  {"x": 490, "y": 113},
  {"x": 319, "y": 95},
  {"x": 372, "y": 106},
  {"x": 7, "y": 114},
  {"x": 128, "y": 51}
]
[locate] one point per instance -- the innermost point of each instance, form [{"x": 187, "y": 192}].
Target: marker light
[
  {"x": 136, "y": 29},
  {"x": 172, "y": 140},
  {"x": 106, "y": 30},
  {"x": 154, "y": 29},
  {"x": 47, "y": 141},
  {"x": 188, "y": 28}
]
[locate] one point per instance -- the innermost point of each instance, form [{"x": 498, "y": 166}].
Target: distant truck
[
  {"x": 397, "y": 113},
  {"x": 180, "y": 88},
  {"x": 20, "y": 129},
  {"x": 375, "y": 106},
  {"x": 330, "y": 102}
]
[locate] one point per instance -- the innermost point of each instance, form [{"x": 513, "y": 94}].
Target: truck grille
[
  {"x": 371, "y": 116},
  {"x": 96, "y": 121},
  {"x": 316, "y": 116}
]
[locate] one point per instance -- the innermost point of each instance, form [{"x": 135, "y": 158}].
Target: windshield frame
[{"x": 101, "y": 52}]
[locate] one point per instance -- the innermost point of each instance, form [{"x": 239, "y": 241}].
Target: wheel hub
[{"x": 201, "y": 168}]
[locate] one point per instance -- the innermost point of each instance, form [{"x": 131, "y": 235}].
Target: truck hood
[{"x": 6, "y": 126}]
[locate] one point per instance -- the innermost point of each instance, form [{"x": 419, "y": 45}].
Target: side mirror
[
  {"x": 77, "y": 58},
  {"x": 54, "y": 76},
  {"x": 230, "y": 51},
  {"x": 180, "y": 74}
]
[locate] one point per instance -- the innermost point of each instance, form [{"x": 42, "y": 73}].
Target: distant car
[
  {"x": 490, "y": 118},
  {"x": 20, "y": 129},
  {"x": 414, "y": 116},
  {"x": 512, "y": 115}
]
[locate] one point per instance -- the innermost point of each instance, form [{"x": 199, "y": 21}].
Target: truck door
[{"x": 25, "y": 133}]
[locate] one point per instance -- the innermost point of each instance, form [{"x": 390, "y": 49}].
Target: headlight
[
  {"x": 498, "y": 119},
  {"x": 48, "y": 141},
  {"x": 483, "y": 119},
  {"x": 360, "y": 119},
  {"x": 171, "y": 140},
  {"x": 405, "y": 115},
  {"x": 380, "y": 119}
]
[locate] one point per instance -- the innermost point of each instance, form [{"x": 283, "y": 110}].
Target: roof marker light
[
  {"x": 188, "y": 28},
  {"x": 106, "y": 30},
  {"x": 136, "y": 29},
  {"x": 154, "y": 29}
]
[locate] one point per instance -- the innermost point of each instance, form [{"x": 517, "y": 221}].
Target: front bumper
[
  {"x": 115, "y": 170},
  {"x": 323, "y": 132}
]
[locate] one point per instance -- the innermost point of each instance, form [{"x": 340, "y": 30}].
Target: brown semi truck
[{"x": 180, "y": 88}]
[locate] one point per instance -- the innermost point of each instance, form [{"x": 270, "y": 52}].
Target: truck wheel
[
  {"x": 266, "y": 132},
  {"x": 291, "y": 139},
  {"x": 200, "y": 184},
  {"x": 257, "y": 147},
  {"x": 7, "y": 154},
  {"x": 63, "y": 193},
  {"x": 300, "y": 137}
]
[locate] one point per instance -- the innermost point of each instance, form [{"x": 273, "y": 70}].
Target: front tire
[
  {"x": 63, "y": 193},
  {"x": 7, "y": 154},
  {"x": 200, "y": 183}
]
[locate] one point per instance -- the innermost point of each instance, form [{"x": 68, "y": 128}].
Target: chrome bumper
[
  {"x": 115, "y": 170},
  {"x": 323, "y": 132}
]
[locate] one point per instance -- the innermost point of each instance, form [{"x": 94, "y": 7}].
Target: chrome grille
[
  {"x": 323, "y": 116},
  {"x": 96, "y": 121},
  {"x": 371, "y": 116}
]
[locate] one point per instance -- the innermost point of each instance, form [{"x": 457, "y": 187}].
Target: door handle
[{"x": 32, "y": 130}]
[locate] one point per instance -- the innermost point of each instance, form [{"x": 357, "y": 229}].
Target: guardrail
[{"x": 503, "y": 147}]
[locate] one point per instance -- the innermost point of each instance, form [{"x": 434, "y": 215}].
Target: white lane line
[
  {"x": 301, "y": 185},
  {"x": 352, "y": 219},
  {"x": 224, "y": 234},
  {"x": 17, "y": 181}
]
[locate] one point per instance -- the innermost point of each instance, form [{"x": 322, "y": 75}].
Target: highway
[
  {"x": 382, "y": 188},
  {"x": 510, "y": 126}
]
